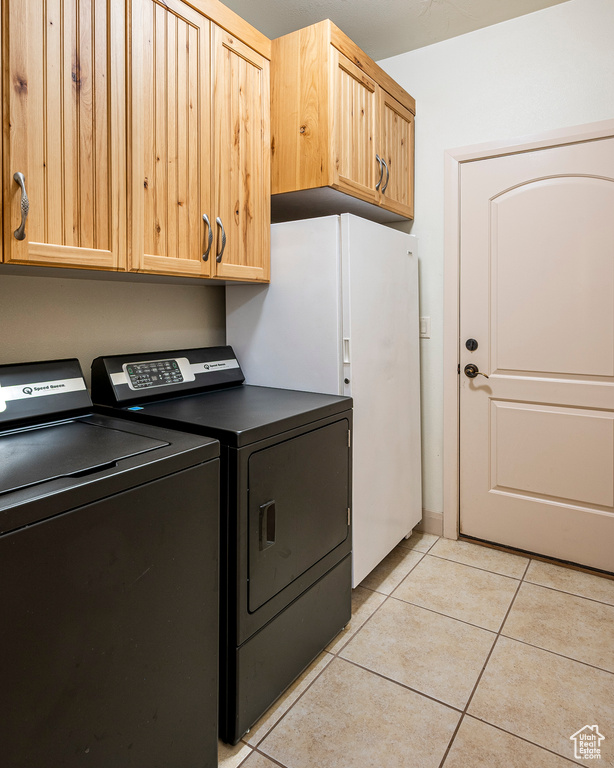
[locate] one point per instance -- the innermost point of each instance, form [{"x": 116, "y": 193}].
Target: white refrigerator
[{"x": 341, "y": 317}]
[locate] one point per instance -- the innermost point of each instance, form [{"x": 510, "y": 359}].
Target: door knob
[{"x": 472, "y": 371}]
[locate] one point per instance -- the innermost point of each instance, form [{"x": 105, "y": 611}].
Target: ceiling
[{"x": 384, "y": 28}]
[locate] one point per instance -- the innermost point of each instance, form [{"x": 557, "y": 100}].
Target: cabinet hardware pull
[
  {"x": 218, "y": 256},
  {"x": 209, "y": 238},
  {"x": 20, "y": 232},
  {"x": 387, "y": 175},
  {"x": 381, "y": 171}
]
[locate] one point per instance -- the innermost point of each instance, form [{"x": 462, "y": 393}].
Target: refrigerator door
[
  {"x": 288, "y": 334},
  {"x": 380, "y": 324},
  {"x": 341, "y": 317}
]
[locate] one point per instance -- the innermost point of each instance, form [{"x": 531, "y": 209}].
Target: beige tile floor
[{"x": 457, "y": 656}]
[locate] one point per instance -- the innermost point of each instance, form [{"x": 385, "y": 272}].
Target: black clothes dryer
[
  {"x": 108, "y": 582},
  {"x": 285, "y": 510}
]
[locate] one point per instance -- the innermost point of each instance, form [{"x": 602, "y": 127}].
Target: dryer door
[{"x": 298, "y": 507}]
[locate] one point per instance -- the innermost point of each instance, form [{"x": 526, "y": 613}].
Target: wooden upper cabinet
[
  {"x": 242, "y": 160},
  {"x": 170, "y": 139},
  {"x": 64, "y": 118},
  {"x": 338, "y": 121},
  {"x": 199, "y": 145}
]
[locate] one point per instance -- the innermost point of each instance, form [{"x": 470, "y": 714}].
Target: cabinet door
[
  {"x": 170, "y": 138},
  {"x": 396, "y": 144},
  {"x": 64, "y": 102},
  {"x": 354, "y": 115},
  {"x": 242, "y": 174}
]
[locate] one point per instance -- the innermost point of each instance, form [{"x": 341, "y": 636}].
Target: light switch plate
[{"x": 425, "y": 327}]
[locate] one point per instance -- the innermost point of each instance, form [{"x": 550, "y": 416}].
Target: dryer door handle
[{"x": 268, "y": 517}]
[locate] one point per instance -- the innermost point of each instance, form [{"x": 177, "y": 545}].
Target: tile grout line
[
  {"x": 477, "y": 567},
  {"x": 522, "y": 738},
  {"x": 566, "y": 564},
  {"x": 246, "y": 758},
  {"x": 445, "y": 615},
  {"x": 565, "y": 592},
  {"x": 477, "y": 682},
  {"x": 372, "y": 589},
  {"x": 402, "y": 685},
  {"x": 560, "y": 655},
  {"x": 414, "y": 549}
]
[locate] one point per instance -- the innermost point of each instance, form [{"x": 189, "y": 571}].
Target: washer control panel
[{"x": 157, "y": 373}]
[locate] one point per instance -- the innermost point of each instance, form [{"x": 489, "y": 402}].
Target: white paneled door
[{"x": 537, "y": 297}]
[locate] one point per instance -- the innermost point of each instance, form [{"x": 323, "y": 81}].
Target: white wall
[
  {"x": 547, "y": 70},
  {"x": 42, "y": 318}
]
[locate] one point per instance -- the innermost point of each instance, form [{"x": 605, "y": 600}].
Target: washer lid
[{"x": 71, "y": 449}]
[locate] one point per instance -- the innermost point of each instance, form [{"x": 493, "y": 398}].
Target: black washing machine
[
  {"x": 285, "y": 510},
  {"x": 108, "y": 582}
]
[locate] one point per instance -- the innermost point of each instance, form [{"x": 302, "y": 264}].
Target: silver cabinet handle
[
  {"x": 220, "y": 253},
  {"x": 381, "y": 171},
  {"x": 20, "y": 232},
  {"x": 209, "y": 237},
  {"x": 387, "y": 175}
]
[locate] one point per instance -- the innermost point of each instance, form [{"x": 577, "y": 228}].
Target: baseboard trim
[{"x": 432, "y": 522}]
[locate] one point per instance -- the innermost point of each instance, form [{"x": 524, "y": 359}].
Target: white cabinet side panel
[
  {"x": 288, "y": 334},
  {"x": 380, "y": 269}
]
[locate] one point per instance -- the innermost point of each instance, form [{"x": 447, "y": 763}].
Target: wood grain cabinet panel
[
  {"x": 354, "y": 128},
  {"x": 340, "y": 122},
  {"x": 241, "y": 182},
  {"x": 200, "y": 147},
  {"x": 170, "y": 138},
  {"x": 64, "y": 117},
  {"x": 397, "y": 148}
]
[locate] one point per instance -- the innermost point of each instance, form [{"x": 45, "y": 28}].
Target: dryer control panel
[
  {"x": 124, "y": 380},
  {"x": 157, "y": 373}
]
